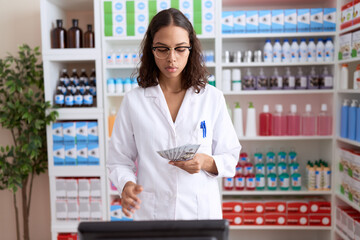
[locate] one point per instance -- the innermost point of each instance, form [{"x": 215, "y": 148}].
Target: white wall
[{"x": 20, "y": 23}]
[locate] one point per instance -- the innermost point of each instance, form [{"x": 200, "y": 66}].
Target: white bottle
[
  {"x": 226, "y": 81},
  {"x": 277, "y": 51},
  {"x": 311, "y": 50},
  {"x": 110, "y": 57},
  {"x": 329, "y": 50},
  {"x": 344, "y": 77},
  {"x": 118, "y": 57},
  {"x": 238, "y": 121},
  {"x": 301, "y": 80},
  {"x": 356, "y": 81},
  {"x": 294, "y": 51},
  {"x": 320, "y": 50},
  {"x": 303, "y": 51},
  {"x": 268, "y": 51},
  {"x": 326, "y": 80},
  {"x": 251, "y": 121},
  {"x": 285, "y": 55},
  {"x": 289, "y": 80},
  {"x": 236, "y": 79}
]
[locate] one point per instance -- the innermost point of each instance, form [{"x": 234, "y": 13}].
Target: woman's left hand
[{"x": 199, "y": 162}]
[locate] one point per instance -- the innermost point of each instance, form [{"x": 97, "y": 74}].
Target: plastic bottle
[
  {"x": 249, "y": 81},
  {"x": 356, "y": 81},
  {"x": 262, "y": 81},
  {"x": 318, "y": 176},
  {"x": 293, "y": 121},
  {"x": 59, "y": 97},
  {"x": 344, "y": 76},
  {"x": 250, "y": 182},
  {"x": 301, "y": 80},
  {"x": 308, "y": 122},
  {"x": 243, "y": 159},
  {"x": 228, "y": 183},
  {"x": 69, "y": 98},
  {"x": 111, "y": 120},
  {"x": 320, "y": 50},
  {"x": 285, "y": 52},
  {"x": 279, "y": 121},
  {"x": 268, "y": 51},
  {"x": 327, "y": 178},
  {"x": 303, "y": 51},
  {"x": 259, "y": 180},
  {"x": 324, "y": 122},
  {"x": 226, "y": 80},
  {"x": 284, "y": 180},
  {"x": 248, "y": 167},
  {"x": 58, "y": 35},
  {"x": 296, "y": 181},
  {"x": 270, "y": 163},
  {"x": 276, "y": 81},
  {"x": 259, "y": 166},
  {"x": 352, "y": 119},
  {"x": 272, "y": 181},
  {"x": 293, "y": 166},
  {"x": 239, "y": 181},
  {"x": 110, "y": 85},
  {"x": 326, "y": 80},
  {"x": 344, "y": 127},
  {"x": 289, "y": 80},
  {"x": 313, "y": 79},
  {"x": 236, "y": 79},
  {"x": 74, "y": 35},
  {"x": 281, "y": 162},
  {"x": 251, "y": 121},
  {"x": 78, "y": 98},
  {"x": 277, "y": 51},
  {"x": 238, "y": 121},
  {"x": 89, "y": 40},
  {"x": 329, "y": 50},
  {"x": 265, "y": 122},
  {"x": 311, "y": 50},
  {"x": 311, "y": 178},
  {"x": 294, "y": 51}
]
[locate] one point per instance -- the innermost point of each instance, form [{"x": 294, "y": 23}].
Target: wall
[{"x": 20, "y": 23}]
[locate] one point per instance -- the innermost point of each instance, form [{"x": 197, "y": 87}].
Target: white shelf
[
  {"x": 279, "y": 92},
  {"x": 349, "y": 29},
  {"x": 133, "y": 66},
  {"x": 347, "y": 201},
  {"x": 77, "y": 170},
  {"x": 350, "y": 60},
  {"x": 140, "y": 38},
  {"x": 71, "y": 55},
  {"x": 341, "y": 234},
  {"x": 275, "y": 193},
  {"x": 267, "y": 227},
  {"x": 348, "y": 141},
  {"x": 285, "y": 138},
  {"x": 280, "y": 64},
  {"x": 78, "y": 113},
  {"x": 277, "y": 35},
  {"x": 349, "y": 91},
  {"x": 66, "y": 226},
  {"x": 115, "y": 94}
]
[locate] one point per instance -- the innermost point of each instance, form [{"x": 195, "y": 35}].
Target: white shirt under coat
[{"x": 144, "y": 126}]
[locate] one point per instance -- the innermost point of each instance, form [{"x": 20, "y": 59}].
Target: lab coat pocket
[
  {"x": 147, "y": 207},
  {"x": 203, "y": 136}
]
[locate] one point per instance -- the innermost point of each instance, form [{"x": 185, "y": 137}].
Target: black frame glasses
[{"x": 167, "y": 49}]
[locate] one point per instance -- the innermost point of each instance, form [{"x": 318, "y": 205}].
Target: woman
[{"x": 172, "y": 107}]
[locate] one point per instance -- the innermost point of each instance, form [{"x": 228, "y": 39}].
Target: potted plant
[{"x": 24, "y": 112}]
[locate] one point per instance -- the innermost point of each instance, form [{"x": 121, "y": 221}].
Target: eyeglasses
[{"x": 164, "y": 52}]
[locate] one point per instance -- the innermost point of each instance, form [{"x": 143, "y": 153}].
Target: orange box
[
  {"x": 275, "y": 207},
  {"x": 297, "y": 207},
  {"x": 253, "y": 207},
  {"x": 254, "y": 219},
  {"x": 320, "y": 207},
  {"x": 275, "y": 219},
  {"x": 234, "y": 218},
  {"x": 320, "y": 220},
  {"x": 298, "y": 219},
  {"x": 232, "y": 207}
]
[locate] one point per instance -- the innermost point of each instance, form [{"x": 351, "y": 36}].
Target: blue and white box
[
  {"x": 141, "y": 6},
  {"x": 252, "y": 21},
  {"x": 69, "y": 132},
  {"x": 58, "y": 154},
  {"x": 186, "y": 7},
  {"x": 141, "y": 23},
  {"x": 316, "y": 19},
  {"x": 57, "y": 132},
  {"x": 277, "y": 20},
  {"x": 93, "y": 154},
  {"x": 329, "y": 20},
  {"x": 93, "y": 135},
  {"x": 208, "y": 29},
  {"x": 290, "y": 20},
  {"x": 82, "y": 154},
  {"x": 227, "y": 22},
  {"x": 70, "y": 154},
  {"x": 81, "y": 132},
  {"x": 116, "y": 213},
  {"x": 303, "y": 22},
  {"x": 207, "y": 5},
  {"x": 265, "y": 21},
  {"x": 119, "y": 24},
  {"x": 162, "y": 5},
  {"x": 119, "y": 6},
  {"x": 239, "y": 21}
]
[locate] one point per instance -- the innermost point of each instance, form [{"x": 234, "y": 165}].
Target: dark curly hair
[{"x": 193, "y": 75}]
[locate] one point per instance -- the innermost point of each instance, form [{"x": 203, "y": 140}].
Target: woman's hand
[
  {"x": 129, "y": 200},
  {"x": 200, "y": 161}
]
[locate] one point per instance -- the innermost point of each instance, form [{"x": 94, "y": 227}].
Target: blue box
[
  {"x": 227, "y": 22},
  {"x": 277, "y": 20},
  {"x": 329, "y": 20},
  {"x": 303, "y": 22},
  {"x": 82, "y": 154},
  {"x": 117, "y": 215},
  {"x": 239, "y": 22},
  {"x": 70, "y": 154},
  {"x": 93, "y": 154},
  {"x": 81, "y": 132},
  {"x": 265, "y": 21},
  {"x": 57, "y": 132},
  {"x": 252, "y": 21},
  {"x": 290, "y": 20},
  {"x": 316, "y": 20},
  {"x": 58, "y": 154},
  {"x": 69, "y": 132},
  {"x": 93, "y": 135}
]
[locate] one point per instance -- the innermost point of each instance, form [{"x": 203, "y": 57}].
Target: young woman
[{"x": 173, "y": 106}]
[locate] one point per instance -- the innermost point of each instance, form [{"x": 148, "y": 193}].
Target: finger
[
  {"x": 126, "y": 212},
  {"x": 138, "y": 189}
]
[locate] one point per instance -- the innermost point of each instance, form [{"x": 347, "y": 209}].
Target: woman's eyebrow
[{"x": 163, "y": 44}]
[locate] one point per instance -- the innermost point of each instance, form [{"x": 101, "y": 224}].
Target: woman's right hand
[{"x": 129, "y": 200}]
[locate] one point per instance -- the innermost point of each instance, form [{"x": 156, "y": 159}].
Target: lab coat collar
[{"x": 156, "y": 92}]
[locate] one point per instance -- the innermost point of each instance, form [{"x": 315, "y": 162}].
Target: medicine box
[
  {"x": 208, "y": 5},
  {"x": 265, "y": 21},
  {"x": 320, "y": 207},
  {"x": 119, "y": 19},
  {"x": 347, "y": 12},
  {"x": 297, "y": 207},
  {"x": 81, "y": 132},
  {"x": 297, "y": 219},
  {"x": 84, "y": 188},
  {"x": 254, "y": 219},
  {"x": 253, "y": 207},
  {"x": 316, "y": 19},
  {"x": 329, "y": 20},
  {"x": 345, "y": 46},
  {"x": 239, "y": 21},
  {"x": 275, "y": 207},
  {"x": 116, "y": 213},
  {"x": 69, "y": 132},
  {"x": 275, "y": 219},
  {"x": 71, "y": 188},
  {"x": 84, "y": 210},
  {"x": 72, "y": 210},
  {"x": 82, "y": 154},
  {"x": 227, "y": 23},
  {"x": 356, "y": 13},
  {"x": 60, "y": 188},
  {"x": 93, "y": 135},
  {"x": 59, "y": 154},
  {"x": 61, "y": 210},
  {"x": 252, "y": 21},
  {"x": 70, "y": 154},
  {"x": 95, "y": 188},
  {"x": 119, "y": 6},
  {"x": 303, "y": 20},
  {"x": 290, "y": 20},
  {"x": 186, "y": 7},
  {"x": 163, "y": 4},
  {"x": 142, "y": 6},
  {"x": 208, "y": 29},
  {"x": 234, "y": 219},
  {"x": 277, "y": 20},
  {"x": 95, "y": 210},
  {"x": 232, "y": 207},
  {"x": 319, "y": 220},
  {"x": 119, "y": 30},
  {"x": 93, "y": 154},
  {"x": 355, "y": 44},
  {"x": 57, "y": 132}
]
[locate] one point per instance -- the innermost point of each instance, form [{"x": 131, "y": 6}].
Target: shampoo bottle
[{"x": 251, "y": 121}]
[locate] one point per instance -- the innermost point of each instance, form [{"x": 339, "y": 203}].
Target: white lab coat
[{"x": 144, "y": 126}]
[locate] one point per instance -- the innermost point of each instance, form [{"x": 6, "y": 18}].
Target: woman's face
[{"x": 171, "y": 66}]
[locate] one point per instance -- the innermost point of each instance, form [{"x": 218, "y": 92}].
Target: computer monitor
[{"x": 155, "y": 230}]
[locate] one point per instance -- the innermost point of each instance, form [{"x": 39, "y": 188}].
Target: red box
[
  {"x": 254, "y": 219},
  {"x": 67, "y": 236},
  {"x": 232, "y": 207},
  {"x": 234, "y": 218},
  {"x": 297, "y": 219},
  {"x": 344, "y": 21},
  {"x": 253, "y": 207},
  {"x": 297, "y": 207},
  {"x": 275, "y": 207},
  {"x": 275, "y": 219},
  {"x": 322, "y": 207},
  {"x": 320, "y": 220}
]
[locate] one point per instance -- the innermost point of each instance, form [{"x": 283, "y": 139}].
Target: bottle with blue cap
[
  {"x": 268, "y": 51},
  {"x": 110, "y": 85},
  {"x": 294, "y": 51},
  {"x": 329, "y": 50},
  {"x": 303, "y": 51},
  {"x": 277, "y": 51},
  {"x": 311, "y": 50},
  {"x": 320, "y": 50},
  {"x": 285, "y": 51}
]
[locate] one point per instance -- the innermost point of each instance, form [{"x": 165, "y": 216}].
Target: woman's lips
[{"x": 171, "y": 69}]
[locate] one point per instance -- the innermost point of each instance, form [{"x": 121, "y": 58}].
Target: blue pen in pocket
[{"x": 203, "y": 127}]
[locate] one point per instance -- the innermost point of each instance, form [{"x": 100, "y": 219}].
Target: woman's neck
[{"x": 170, "y": 85}]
